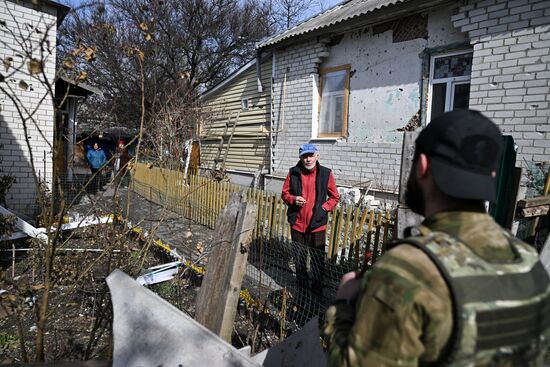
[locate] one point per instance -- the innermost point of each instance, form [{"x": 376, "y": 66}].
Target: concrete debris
[
  {"x": 27, "y": 229},
  {"x": 159, "y": 273},
  {"x": 302, "y": 349},
  {"x": 353, "y": 196},
  {"x": 87, "y": 221},
  {"x": 148, "y": 331}
]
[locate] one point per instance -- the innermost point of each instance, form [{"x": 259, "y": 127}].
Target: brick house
[
  {"x": 36, "y": 24},
  {"x": 353, "y": 78}
]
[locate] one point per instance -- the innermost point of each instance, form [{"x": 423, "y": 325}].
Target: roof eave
[
  {"x": 375, "y": 16},
  {"x": 82, "y": 88},
  {"x": 62, "y": 10}
]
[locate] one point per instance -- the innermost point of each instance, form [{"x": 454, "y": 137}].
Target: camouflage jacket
[{"x": 403, "y": 314}]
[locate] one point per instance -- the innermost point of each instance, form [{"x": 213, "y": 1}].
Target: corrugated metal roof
[{"x": 344, "y": 11}]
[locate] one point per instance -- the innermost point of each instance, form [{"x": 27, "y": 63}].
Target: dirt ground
[{"x": 79, "y": 327}]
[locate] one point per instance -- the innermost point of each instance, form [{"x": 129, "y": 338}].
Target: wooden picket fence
[{"x": 350, "y": 229}]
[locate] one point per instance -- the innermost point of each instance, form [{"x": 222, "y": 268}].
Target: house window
[
  {"x": 244, "y": 104},
  {"x": 449, "y": 83},
  {"x": 333, "y": 101}
]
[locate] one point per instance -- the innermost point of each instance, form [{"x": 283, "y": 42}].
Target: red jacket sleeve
[
  {"x": 333, "y": 195},
  {"x": 287, "y": 197}
]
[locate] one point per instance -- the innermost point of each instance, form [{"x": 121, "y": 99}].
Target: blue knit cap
[{"x": 307, "y": 148}]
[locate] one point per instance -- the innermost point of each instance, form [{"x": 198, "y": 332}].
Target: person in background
[
  {"x": 310, "y": 193},
  {"x": 459, "y": 290},
  {"x": 97, "y": 159},
  {"x": 122, "y": 157}
]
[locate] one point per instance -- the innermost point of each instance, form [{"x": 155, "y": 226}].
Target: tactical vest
[{"x": 501, "y": 312}]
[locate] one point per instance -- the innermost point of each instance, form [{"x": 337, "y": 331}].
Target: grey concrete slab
[
  {"x": 545, "y": 255},
  {"x": 148, "y": 331}
]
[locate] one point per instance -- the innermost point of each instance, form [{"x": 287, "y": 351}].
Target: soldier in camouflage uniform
[{"x": 459, "y": 290}]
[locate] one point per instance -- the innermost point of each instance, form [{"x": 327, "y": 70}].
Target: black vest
[{"x": 319, "y": 217}]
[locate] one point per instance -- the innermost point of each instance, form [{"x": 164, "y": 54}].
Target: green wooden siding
[{"x": 249, "y": 147}]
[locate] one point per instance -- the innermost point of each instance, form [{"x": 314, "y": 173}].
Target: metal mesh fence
[
  {"x": 288, "y": 280},
  {"x": 292, "y": 281},
  {"x": 79, "y": 185}
]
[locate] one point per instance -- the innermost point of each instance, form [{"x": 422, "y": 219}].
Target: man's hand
[
  {"x": 349, "y": 287},
  {"x": 300, "y": 201}
]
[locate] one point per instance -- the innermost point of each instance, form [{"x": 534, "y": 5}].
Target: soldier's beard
[{"x": 414, "y": 196}]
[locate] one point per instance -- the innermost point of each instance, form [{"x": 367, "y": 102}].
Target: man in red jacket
[{"x": 310, "y": 193}]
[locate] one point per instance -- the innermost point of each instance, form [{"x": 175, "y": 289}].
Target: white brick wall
[
  {"x": 35, "y": 102},
  {"x": 511, "y": 70},
  {"x": 352, "y": 163}
]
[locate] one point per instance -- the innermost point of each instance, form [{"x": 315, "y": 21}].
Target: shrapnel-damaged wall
[
  {"x": 511, "y": 70},
  {"x": 385, "y": 93},
  {"x": 292, "y": 98},
  {"x": 14, "y": 154}
]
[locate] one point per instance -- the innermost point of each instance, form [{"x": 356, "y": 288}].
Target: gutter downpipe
[
  {"x": 259, "y": 71},
  {"x": 272, "y": 115}
]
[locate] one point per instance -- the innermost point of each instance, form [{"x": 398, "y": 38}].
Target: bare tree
[
  {"x": 187, "y": 46},
  {"x": 27, "y": 87},
  {"x": 291, "y": 12}
]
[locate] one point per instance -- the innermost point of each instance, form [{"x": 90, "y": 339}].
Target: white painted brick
[
  {"x": 540, "y": 90},
  {"x": 524, "y": 76},
  {"x": 536, "y": 67},
  {"x": 507, "y": 63},
  {"x": 519, "y": 26},
  {"x": 494, "y": 8},
  {"x": 541, "y": 21},
  {"x": 499, "y": 14},
  {"x": 536, "y": 83},
  {"x": 493, "y": 58},
  {"x": 496, "y": 93},
  {"x": 508, "y": 19},
  {"x": 532, "y": 14},
  {"x": 541, "y": 5},
  {"x": 479, "y": 18},
  {"x": 537, "y": 52},
  {"x": 525, "y": 113},
  {"x": 495, "y": 43},
  {"x": 528, "y": 60},
  {"x": 534, "y": 98},
  {"x": 490, "y": 72},
  {"x": 543, "y": 75},
  {"x": 514, "y": 55},
  {"x": 519, "y": 9},
  {"x": 470, "y": 27},
  {"x": 542, "y": 44},
  {"x": 503, "y": 78}
]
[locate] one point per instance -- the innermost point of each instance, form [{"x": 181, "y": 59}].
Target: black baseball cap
[{"x": 464, "y": 149}]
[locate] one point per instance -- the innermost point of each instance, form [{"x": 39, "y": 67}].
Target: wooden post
[
  {"x": 217, "y": 300},
  {"x": 405, "y": 216}
]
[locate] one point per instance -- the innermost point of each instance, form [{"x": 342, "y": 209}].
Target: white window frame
[
  {"x": 245, "y": 103},
  {"x": 451, "y": 82}
]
